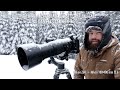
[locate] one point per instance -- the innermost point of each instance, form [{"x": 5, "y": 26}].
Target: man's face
[{"x": 95, "y": 37}]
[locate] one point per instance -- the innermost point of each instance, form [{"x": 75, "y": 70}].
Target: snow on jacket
[{"x": 105, "y": 65}]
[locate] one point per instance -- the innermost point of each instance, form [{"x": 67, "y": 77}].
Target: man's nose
[{"x": 94, "y": 36}]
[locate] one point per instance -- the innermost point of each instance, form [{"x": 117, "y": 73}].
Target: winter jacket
[{"x": 105, "y": 65}]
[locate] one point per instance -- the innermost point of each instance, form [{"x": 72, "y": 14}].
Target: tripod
[{"x": 60, "y": 69}]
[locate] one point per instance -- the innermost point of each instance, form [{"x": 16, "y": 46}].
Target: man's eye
[
  {"x": 98, "y": 32},
  {"x": 90, "y": 33}
]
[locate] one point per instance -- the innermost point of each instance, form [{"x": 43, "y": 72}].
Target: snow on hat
[
  {"x": 89, "y": 28},
  {"x": 102, "y": 22}
]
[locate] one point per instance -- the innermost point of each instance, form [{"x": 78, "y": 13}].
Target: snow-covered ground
[{"x": 10, "y": 69}]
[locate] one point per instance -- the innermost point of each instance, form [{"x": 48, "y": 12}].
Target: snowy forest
[{"x": 23, "y": 27}]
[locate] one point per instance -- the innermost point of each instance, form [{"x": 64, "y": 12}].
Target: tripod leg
[
  {"x": 68, "y": 75},
  {"x": 56, "y": 76}
]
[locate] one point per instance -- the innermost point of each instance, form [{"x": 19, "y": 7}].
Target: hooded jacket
[
  {"x": 105, "y": 65},
  {"x": 104, "y": 61},
  {"x": 104, "y": 23}
]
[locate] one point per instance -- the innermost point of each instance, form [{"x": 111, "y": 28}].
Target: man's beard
[{"x": 93, "y": 46}]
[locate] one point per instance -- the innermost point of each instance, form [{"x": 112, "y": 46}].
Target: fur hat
[
  {"x": 93, "y": 27},
  {"x": 102, "y": 23}
]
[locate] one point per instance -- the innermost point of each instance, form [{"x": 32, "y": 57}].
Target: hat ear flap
[{"x": 86, "y": 44}]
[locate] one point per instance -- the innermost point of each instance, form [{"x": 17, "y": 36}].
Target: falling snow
[{"x": 31, "y": 28}]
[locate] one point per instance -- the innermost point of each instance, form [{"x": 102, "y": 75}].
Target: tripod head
[
  {"x": 60, "y": 69},
  {"x": 61, "y": 65}
]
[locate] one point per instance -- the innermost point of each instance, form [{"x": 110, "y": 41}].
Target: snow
[
  {"x": 10, "y": 69},
  {"x": 56, "y": 42},
  {"x": 28, "y": 46}
]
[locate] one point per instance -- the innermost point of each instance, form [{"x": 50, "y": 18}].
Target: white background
[{"x": 10, "y": 69}]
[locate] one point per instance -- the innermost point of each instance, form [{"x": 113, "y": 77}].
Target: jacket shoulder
[
  {"x": 116, "y": 49},
  {"x": 82, "y": 50}
]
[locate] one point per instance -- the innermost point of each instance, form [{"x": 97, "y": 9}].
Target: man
[{"x": 99, "y": 56}]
